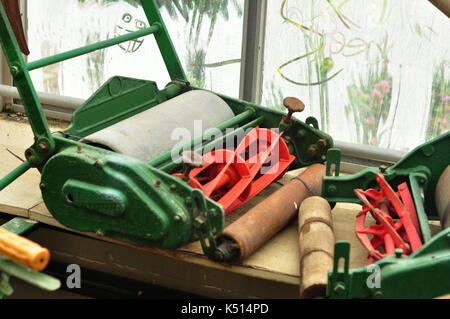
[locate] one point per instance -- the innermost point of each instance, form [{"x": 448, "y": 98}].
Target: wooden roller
[
  {"x": 316, "y": 243},
  {"x": 23, "y": 251}
]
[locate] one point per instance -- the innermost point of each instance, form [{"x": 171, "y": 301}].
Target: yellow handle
[{"x": 23, "y": 250}]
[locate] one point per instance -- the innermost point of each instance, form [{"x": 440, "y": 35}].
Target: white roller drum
[{"x": 148, "y": 134}]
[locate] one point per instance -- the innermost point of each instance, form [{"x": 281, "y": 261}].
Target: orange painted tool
[{"x": 23, "y": 250}]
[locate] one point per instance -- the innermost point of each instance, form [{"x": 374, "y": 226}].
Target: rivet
[
  {"x": 322, "y": 143},
  {"x": 99, "y": 163},
  {"x": 43, "y": 146},
  {"x": 332, "y": 189},
  {"x": 312, "y": 151}
]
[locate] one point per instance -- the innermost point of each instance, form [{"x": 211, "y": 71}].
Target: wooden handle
[
  {"x": 23, "y": 250},
  {"x": 316, "y": 246}
]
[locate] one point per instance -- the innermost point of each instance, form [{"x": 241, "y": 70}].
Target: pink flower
[
  {"x": 377, "y": 93},
  {"x": 373, "y": 141},
  {"x": 369, "y": 120},
  {"x": 444, "y": 121},
  {"x": 445, "y": 99},
  {"x": 444, "y": 131},
  {"x": 385, "y": 85},
  {"x": 385, "y": 64}
]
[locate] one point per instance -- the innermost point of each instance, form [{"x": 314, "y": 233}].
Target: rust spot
[{"x": 306, "y": 228}]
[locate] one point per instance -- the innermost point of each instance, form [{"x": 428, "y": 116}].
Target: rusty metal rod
[{"x": 243, "y": 237}]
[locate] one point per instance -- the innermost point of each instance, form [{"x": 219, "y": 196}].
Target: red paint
[
  {"x": 387, "y": 205},
  {"x": 232, "y": 177}
]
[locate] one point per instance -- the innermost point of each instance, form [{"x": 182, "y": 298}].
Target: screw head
[
  {"x": 100, "y": 233},
  {"x": 312, "y": 151},
  {"x": 332, "y": 189},
  {"x": 99, "y": 163},
  {"x": 15, "y": 70},
  {"x": 43, "y": 146},
  {"x": 322, "y": 143},
  {"x": 178, "y": 218}
]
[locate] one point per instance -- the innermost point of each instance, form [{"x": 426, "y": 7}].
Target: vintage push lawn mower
[
  {"x": 116, "y": 172},
  {"x": 405, "y": 260}
]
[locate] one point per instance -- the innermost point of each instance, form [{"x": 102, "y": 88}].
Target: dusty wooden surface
[{"x": 276, "y": 263}]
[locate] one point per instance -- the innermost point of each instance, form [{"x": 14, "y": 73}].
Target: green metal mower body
[{"x": 92, "y": 189}]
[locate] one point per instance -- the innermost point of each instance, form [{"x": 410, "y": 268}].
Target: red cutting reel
[
  {"x": 232, "y": 177},
  {"x": 388, "y": 234}
]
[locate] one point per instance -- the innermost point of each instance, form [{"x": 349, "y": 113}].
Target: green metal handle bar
[
  {"x": 227, "y": 124},
  {"x": 164, "y": 42},
  {"x": 44, "y": 143},
  {"x": 91, "y": 48},
  {"x": 25, "y": 87},
  {"x": 14, "y": 174}
]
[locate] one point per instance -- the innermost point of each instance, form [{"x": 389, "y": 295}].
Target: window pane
[
  {"x": 208, "y": 39},
  {"x": 372, "y": 72},
  {"x": 210, "y": 55}
]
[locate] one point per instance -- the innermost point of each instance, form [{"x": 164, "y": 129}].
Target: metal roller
[
  {"x": 147, "y": 135},
  {"x": 243, "y": 237},
  {"x": 442, "y": 197}
]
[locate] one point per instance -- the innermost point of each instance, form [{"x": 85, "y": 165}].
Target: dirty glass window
[
  {"x": 207, "y": 39},
  {"x": 374, "y": 72}
]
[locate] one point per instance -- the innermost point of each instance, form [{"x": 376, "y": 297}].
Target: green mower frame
[{"x": 91, "y": 189}]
